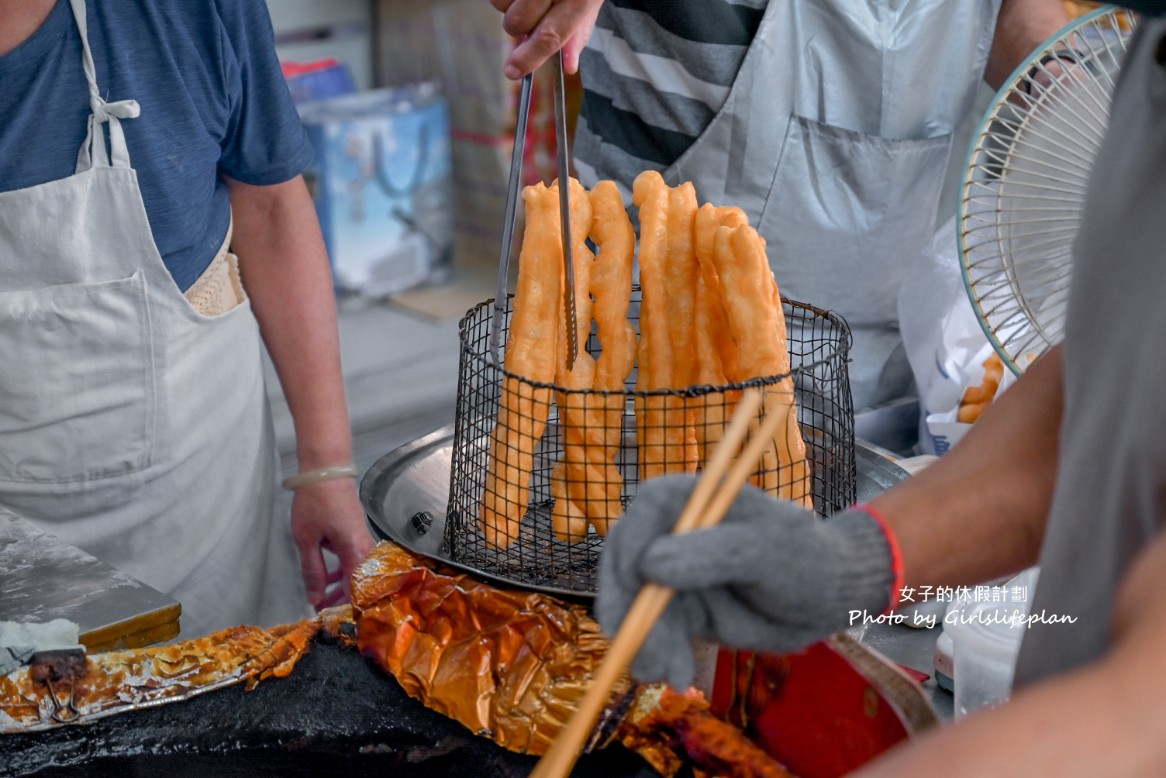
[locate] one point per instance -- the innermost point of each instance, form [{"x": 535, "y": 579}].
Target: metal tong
[
  {"x": 62, "y": 667},
  {"x": 564, "y": 173}
]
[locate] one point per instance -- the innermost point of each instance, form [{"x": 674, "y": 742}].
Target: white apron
[
  {"x": 131, "y": 425},
  {"x": 835, "y": 139}
]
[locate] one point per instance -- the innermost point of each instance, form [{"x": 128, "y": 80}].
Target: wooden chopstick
[{"x": 706, "y": 507}]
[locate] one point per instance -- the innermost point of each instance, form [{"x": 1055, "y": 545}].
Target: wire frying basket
[{"x": 587, "y": 459}]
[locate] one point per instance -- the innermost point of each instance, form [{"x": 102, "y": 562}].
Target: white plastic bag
[{"x": 945, "y": 344}]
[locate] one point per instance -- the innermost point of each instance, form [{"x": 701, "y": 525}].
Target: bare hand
[
  {"x": 547, "y": 26},
  {"x": 328, "y": 515}
]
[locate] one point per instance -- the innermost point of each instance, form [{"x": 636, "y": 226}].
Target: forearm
[
  {"x": 285, "y": 269},
  {"x": 1021, "y": 26},
  {"x": 1084, "y": 724},
  {"x": 1104, "y": 719},
  {"x": 979, "y": 512}
]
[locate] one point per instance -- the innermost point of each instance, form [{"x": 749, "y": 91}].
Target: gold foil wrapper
[{"x": 509, "y": 665}]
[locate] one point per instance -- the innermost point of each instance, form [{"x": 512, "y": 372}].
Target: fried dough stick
[
  {"x": 757, "y": 323},
  {"x": 651, "y": 194},
  {"x": 574, "y": 477},
  {"x": 713, "y": 344},
  {"x": 680, "y": 274},
  {"x": 611, "y": 287},
  {"x": 708, "y": 218},
  {"x": 530, "y": 352},
  {"x": 708, "y": 410},
  {"x": 977, "y": 398},
  {"x": 794, "y": 445}
]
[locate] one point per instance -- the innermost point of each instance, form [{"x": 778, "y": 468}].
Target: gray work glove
[
  {"x": 20, "y": 640},
  {"x": 770, "y": 577}
]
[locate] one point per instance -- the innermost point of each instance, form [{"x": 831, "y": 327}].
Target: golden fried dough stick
[
  {"x": 567, "y": 518},
  {"x": 572, "y": 477},
  {"x": 680, "y": 275},
  {"x": 587, "y": 482},
  {"x": 708, "y": 410},
  {"x": 727, "y": 216},
  {"x": 578, "y": 479},
  {"x": 651, "y": 194},
  {"x": 715, "y": 349},
  {"x": 611, "y": 288},
  {"x": 731, "y": 216},
  {"x": 750, "y": 316},
  {"x": 794, "y": 451},
  {"x": 757, "y": 323},
  {"x": 986, "y": 391},
  {"x": 970, "y": 412},
  {"x": 531, "y": 347},
  {"x": 977, "y": 398}
]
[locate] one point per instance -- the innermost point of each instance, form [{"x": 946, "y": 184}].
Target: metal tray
[{"x": 405, "y": 495}]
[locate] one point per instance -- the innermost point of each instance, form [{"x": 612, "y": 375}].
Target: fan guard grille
[{"x": 1024, "y": 190}]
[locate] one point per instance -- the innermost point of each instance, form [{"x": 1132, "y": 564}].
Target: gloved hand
[
  {"x": 20, "y": 640},
  {"x": 769, "y": 577}
]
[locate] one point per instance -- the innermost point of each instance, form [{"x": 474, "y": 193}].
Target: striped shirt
[{"x": 655, "y": 73}]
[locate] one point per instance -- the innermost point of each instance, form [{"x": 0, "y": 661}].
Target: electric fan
[{"x": 1024, "y": 189}]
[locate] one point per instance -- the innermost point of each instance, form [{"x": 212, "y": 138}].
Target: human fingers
[
  {"x": 336, "y": 595},
  {"x": 341, "y": 519},
  {"x": 559, "y": 24},
  {"x": 521, "y": 17},
  {"x": 308, "y": 538},
  {"x": 611, "y": 604},
  {"x": 756, "y": 530},
  {"x": 736, "y": 621},
  {"x": 614, "y": 590},
  {"x": 710, "y": 557},
  {"x": 667, "y": 652},
  {"x": 652, "y": 513},
  {"x": 618, "y": 576},
  {"x": 351, "y": 552},
  {"x": 328, "y": 515},
  {"x": 339, "y": 589},
  {"x": 313, "y": 571},
  {"x": 578, "y": 41}
]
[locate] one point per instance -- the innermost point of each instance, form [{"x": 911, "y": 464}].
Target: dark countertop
[{"x": 336, "y": 714}]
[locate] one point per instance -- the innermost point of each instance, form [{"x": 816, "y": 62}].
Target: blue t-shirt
[{"x": 212, "y": 97}]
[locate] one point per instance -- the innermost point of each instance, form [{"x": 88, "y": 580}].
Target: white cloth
[
  {"x": 20, "y": 640},
  {"x": 131, "y": 425},
  {"x": 835, "y": 139}
]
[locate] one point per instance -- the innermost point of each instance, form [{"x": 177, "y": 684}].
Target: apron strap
[{"x": 93, "y": 149}]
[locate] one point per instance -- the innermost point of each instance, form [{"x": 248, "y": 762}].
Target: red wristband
[{"x": 896, "y": 555}]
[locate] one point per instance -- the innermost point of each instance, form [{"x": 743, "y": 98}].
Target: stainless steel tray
[{"x": 405, "y": 495}]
